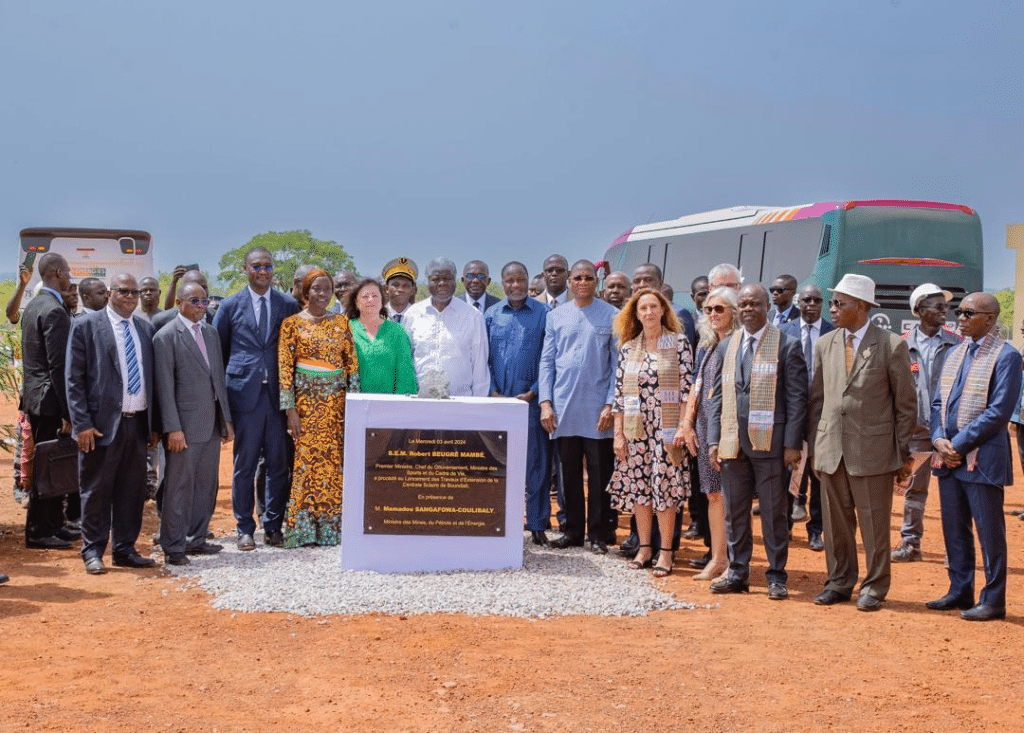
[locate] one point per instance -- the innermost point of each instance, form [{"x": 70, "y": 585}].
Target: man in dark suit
[
  {"x": 863, "y": 410},
  {"x": 248, "y": 324},
  {"x": 44, "y": 336},
  {"x": 164, "y": 317},
  {"x": 808, "y": 329},
  {"x": 475, "y": 278},
  {"x": 784, "y": 310},
  {"x": 978, "y": 391},
  {"x": 193, "y": 403},
  {"x": 109, "y": 375},
  {"x": 756, "y": 423}
]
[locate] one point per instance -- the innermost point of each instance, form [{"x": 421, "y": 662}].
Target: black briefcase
[{"x": 56, "y": 467}]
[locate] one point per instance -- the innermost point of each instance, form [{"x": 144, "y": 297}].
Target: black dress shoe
[
  {"x": 868, "y": 602},
  {"x": 692, "y": 532},
  {"x": 133, "y": 560},
  {"x": 983, "y": 612},
  {"x": 177, "y": 558},
  {"x": 68, "y": 533},
  {"x": 94, "y": 566},
  {"x": 3, "y": 578},
  {"x": 246, "y": 542},
  {"x": 814, "y": 542},
  {"x": 730, "y": 585},
  {"x": 539, "y": 538},
  {"x": 598, "y": 547},
  {"x": 560, "y": 543},
  {"x": 207, "y": 548},
  {"x": 778, "y": 592},
  {"x": 831, "y": 598},
  {"x": 950, "y": 602},
  {"x": 48, "y": 543},
  {"x": 630, "y": 546},
  {"x": 699, "y": 563},
  {"x": 273, "y": 539}
]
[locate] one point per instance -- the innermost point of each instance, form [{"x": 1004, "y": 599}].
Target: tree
[
  {"x": 1005, "y": 298},
  {"x": 289, "y": 249}
]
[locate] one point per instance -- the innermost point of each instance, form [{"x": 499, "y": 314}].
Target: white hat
[
  {"x": 922, "y": 291},
  {"x": 860, "y": 287}
]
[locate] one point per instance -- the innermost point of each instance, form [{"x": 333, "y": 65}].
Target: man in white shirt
[
  {"x": 556, "y": 275},
  {"x": 475, "y": 278},
  {"x": 449, "y": 339},
  {"x": 400, "y": 276}
]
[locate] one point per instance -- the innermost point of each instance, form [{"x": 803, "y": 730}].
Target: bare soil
[{"x": 130, "y": 651}]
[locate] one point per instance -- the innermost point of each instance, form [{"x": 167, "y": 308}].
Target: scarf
[
  {"x": 668, "y": 391},
  {"x": 764, "y": 370},
  {"x": 974, "y": 394}
]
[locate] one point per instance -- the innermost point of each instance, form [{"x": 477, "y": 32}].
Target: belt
[{"x": 129, "y": 414}]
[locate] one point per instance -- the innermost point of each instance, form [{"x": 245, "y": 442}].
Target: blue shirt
[
  {"x": 577, "y": 367},
  {"x": 515, "y": 338}
]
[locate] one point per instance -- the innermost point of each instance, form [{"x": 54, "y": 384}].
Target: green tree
[
  {"x": 289, "y": 249},
  {"x": 1005, "y": 298}
]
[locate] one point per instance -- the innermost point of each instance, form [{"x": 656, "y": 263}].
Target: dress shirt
[
  {"x": 57, "y": 295},
  {"x": 452, "y": 341},
  {"x": 482, "y": 301},
  {"x": 926, "y": 346},
  {"x": 757, "y": 336},
  {"x": 577, "y": 367},
  {"x": 858, "y": 336},
  {"x": 554, "y": 300},
  {"x": 134, "y": 402},
  {"x": 515, "y": 339},
  {"x": 782, "y": 317},
  {"x": 392, "y": 312},
  {"x": 813, "y": 335},
  {"x": 256, "y": 306}
]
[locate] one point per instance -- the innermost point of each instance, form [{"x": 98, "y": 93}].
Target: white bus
[{"x": 100, "y": 253}]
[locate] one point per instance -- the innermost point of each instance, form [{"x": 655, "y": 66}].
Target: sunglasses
[
  {"x": 126, "y": 292},
  {"x": 474, "y": 276},
  {"x": 199, "y": 301},
  {"x": 709, "y": 309},
  {"x": 776, "y": 291},
  {"x": 261, "y": 268},
  {"x": 968, "y": 313},
  {"x": 811, "y": 299}
]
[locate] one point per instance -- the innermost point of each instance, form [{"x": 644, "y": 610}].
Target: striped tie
[{"x": 131, "y": 359}]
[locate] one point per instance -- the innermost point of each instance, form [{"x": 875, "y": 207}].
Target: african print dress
[{"x": 317, "y": 363}]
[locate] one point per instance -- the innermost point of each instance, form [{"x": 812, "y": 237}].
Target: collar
[
  {"x": 56, "y": 294},
  {"x": 189, "y": 324},
  {"x": 256, "y": 297},
  {"x": 757, "y": 335},
  {"x": 560, "y": 299},
  {"x": 859, "y": 333},
  {"x": 816, "y": 324},
  {"x": 114, "y": 317}
]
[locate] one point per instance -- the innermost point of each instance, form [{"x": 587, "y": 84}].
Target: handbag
[{"x": 56, "y": 471}]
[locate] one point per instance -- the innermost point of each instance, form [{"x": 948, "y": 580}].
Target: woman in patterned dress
[
  {"x": 382, "y": 345},
  {"x": 317, "y": 362},
  {"x": 720, "y": 319},
  {"x": 652, "y": 383}
]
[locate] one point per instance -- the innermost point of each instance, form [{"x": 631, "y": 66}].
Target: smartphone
[
  {"x": 30, "y": 259},
  {"x": 191, "y": 267}
]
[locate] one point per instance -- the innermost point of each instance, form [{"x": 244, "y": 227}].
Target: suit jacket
[
  {"x": 45, "y": 326},
  {"x": 795, "y": 327},
  {"x": 790, "y": 401},
  {"x": 867, "y": 418},
  {"x": 246, "y": 357},
  {"x": 94, "y": 381},
  {"x": 489, "y": 300},
  {"x": 792, "y": 313},
  {"x": 689, "y": 327},
  {"x": 164, "y": 317},
  {"x": 987, "y": 432},
  {"x": 192, "y": 396}
]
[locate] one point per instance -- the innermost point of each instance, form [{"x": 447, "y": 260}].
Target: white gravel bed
[{"x": 310, "y": 582}]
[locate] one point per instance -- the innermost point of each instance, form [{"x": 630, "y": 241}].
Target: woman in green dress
[{"x": 383, "y": 348}]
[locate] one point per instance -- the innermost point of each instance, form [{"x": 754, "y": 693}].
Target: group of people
[{"x": 758, "y": 405}]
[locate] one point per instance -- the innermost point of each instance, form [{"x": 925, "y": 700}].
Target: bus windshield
[{"x": 888, "y": 232}]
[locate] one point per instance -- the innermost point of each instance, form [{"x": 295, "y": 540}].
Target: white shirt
[
  {"x": 482, "y": 301},
  {"x": 757, "y": 336},
  {"x": 554, "y": 300},
  {"x": 453, "y": 342},
  {"x": 858, "y": 336},
  {"x": 256, "y": 305},
  {"x": 135, "y": 402},
  {"x": 392, "y": 312},
  {"x": 815, "y": 331}
]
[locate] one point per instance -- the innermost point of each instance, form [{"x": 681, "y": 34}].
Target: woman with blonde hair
[
  {"x": 719, "y": 319},
  {"x": 652, "y": 383}
]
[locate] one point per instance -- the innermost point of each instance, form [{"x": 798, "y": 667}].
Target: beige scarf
[
  {"x": 764, "y": 372},
  {"x": 974, "y": 394},
  {"x": 668, "y": 391}
]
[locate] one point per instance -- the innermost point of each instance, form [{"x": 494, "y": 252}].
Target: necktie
[
  {"x": 201, "y": 342},
  {"x": 849, "y": 354},
  {"x": 476, "y": 304},
  {"x": 554, "y": 303},
  {"x": 262, "y": 327},
  {"x": 808, "y": 352},
  {"x": 748, "y": 357},
  {"x": 397, "y": 317},
  {"x": 131, "y": 360}
]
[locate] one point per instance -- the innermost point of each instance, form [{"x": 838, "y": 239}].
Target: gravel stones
[{"x": 310, "y": 582}]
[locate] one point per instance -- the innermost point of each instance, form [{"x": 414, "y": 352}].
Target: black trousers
[
  {"x": 113, "y": 482},
  {"x": 592, "y": 514},
  {"x": 44, "y": 516}
]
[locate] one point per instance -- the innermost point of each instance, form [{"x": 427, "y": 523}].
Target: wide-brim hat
[
  {"x": 400, "y": 266},
  {"x": 860, "y": 287},
  {"x": 925, "y": 290}
]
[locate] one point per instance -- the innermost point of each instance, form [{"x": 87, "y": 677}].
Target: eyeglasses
[
  {"x": 474, "y": 276},
  {"x": 126, "y": 292},
  {"x": 583, "y": 278},
  {"x": 199, "y": 301},
  {"x": 837, "y": 304},
  {"x": 968, "y": 313},
  {"x": 261, "y": 268},
  {"x": 810, "y": 299},
  {"x": 709, "y": 309},
  {"x": 776, "y": 291}
]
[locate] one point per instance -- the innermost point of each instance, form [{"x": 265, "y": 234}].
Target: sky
[{"x": 497, "y": 130}]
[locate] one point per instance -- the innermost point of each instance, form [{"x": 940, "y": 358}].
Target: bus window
[{"x": 826, "y": 240}]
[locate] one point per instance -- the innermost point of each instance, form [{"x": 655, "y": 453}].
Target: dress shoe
[
  {"x": 560, "y": 543},
  {"x": 868, "y": 602},
  {"x": 778, "y": 592},
  {"x": 730, "y": 585},
  {"x": 831, "y": 598},
  {"x": 68, "y": 533},
  {"x": 272, "y": 538},
  {"x": 48, "y": 543},
  {"x": 95, "y": 566},
  {"x": 3, "y": 578},
  {"x": 814, "y": 541},
  {"x": 906, "y": 553},
  {"x": 799, "y": 513},
  {"x": 699, "y": 563},
  {"x": 692, "y": 532},
  {"x": 630, "y": 546},
  {"x": 133, "y": 560},
  {"x": 246, "y": 542},
  {"x": 177, "y": 558},
  {"x": 539, "y": 538},
  {"x": 598, "y": 547},
  {"x": 950, "y": 602},
  {"x": 207, "y": 548},
  {"x": 1016, "y": 512},
  {"x": 983, "y": 612}
]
